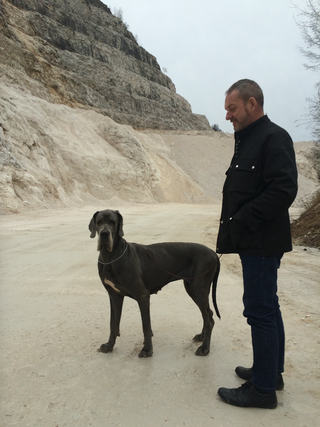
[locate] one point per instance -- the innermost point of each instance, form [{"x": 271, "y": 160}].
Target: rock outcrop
[
  {"x": 79, "y": 54},
  {"x": 52, "y": 155},
  {"x": 87, "y": 116},
  {"x": 75, "y": 88}
]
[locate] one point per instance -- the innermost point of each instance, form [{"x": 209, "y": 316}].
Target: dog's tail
[{"x": 214, "y": 288}]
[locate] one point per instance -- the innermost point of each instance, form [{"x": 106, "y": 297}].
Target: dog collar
[{"x": 111, "y": 262}]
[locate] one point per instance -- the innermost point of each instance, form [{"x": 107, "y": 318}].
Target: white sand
[{"x": 55, "y": 314}]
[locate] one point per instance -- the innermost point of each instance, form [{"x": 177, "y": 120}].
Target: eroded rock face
[
  {"x": 73, "y": 84},
  {"x": 53, "y": 156},
  {"x": 79, "y": 54}
]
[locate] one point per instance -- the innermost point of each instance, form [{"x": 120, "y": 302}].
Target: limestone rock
[
  {"x": 87, "y": 116},
  {"x": 53, "y": 155},
  {"x": 78, "y": 54}
]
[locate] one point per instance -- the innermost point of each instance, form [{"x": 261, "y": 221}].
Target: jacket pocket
[
  {"x": 242, "y": 237},
  {"x": 243, "y": 179}
]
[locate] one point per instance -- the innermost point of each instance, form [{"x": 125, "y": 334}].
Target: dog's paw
[
  {"x": 146, "y": 353},
  {"x": 105, "y": 348},
  {"x": 201, "y": 351},
  {"x": 198, "y": 338}
]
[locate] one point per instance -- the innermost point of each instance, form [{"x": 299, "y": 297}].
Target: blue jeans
[{"x": 262, "y": 310}]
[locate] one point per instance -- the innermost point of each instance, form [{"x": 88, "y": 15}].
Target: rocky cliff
[
  {"x": 87, "y": 116},
  {"x": 52, "y": 155},
  {"x": 75, "y": 87},
  {"x": 77, "y": 53}
]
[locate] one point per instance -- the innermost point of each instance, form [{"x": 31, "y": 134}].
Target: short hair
[{"x": 247, "y": 89}]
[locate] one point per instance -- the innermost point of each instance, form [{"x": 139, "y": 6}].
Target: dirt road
[{"x": 55, "y": 314}]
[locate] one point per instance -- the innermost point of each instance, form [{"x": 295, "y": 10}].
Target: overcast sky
[{"x": 207, "y": 45}]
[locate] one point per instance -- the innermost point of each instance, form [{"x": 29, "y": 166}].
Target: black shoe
[
  {"x": 246, "y": 374},
  {"x": 247, "y": 396}
]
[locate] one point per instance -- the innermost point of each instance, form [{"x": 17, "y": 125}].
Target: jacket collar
[{"x": 241, "y": 133}]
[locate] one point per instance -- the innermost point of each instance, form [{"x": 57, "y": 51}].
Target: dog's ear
[
  {"x": 92, "y": 225},
  {"x": 120, "y": 227}
]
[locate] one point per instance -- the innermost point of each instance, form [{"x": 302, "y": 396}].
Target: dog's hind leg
[
  {"x": 189, "y": 290},
  {"x": 116, "y": 303},
  {"x": 200, "y": 337},
  {"x": 200, "y": 296},
  {"x": 205, "y": 335}
]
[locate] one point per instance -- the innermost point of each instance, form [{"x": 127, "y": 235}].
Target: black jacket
[{"x": 260, "y": 186}]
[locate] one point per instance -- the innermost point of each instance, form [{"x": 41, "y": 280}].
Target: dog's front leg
[
  {"x": 144, "y": 305},
  {"x": 116, "y": 303}
]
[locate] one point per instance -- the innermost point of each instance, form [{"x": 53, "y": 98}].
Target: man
[{"x": 260, "y": 186}]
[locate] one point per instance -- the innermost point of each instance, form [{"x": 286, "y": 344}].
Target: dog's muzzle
[{"x": 105, "y": 239}]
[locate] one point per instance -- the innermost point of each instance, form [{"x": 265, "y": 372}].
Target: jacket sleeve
[{"x": 279, "y": 175}]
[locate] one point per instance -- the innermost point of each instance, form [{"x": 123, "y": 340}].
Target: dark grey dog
[{"x": 136, "y": 271}]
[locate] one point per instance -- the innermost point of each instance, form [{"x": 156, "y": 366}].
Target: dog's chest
[
  {"x": 111, "y": 282},
  {"x": 112, "y": 285}
]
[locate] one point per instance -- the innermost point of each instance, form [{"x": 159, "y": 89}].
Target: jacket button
[
  {"x": 237, "y": 166},
  {"x": 230, "y": 218},
  {"x": 221, "y": 222},
  {"x": 253, "y": 167}
]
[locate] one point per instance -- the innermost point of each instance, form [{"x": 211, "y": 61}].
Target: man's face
[{"x": 239, "y": 113}]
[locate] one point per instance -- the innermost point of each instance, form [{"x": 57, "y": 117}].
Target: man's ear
[
  {"x": 92, "y": 225},
  {"x": 252, "y": 102},
  {"x": 120, "y": 227}
]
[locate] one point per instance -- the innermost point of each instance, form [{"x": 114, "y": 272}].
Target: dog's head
[{"x": 109, "y": 226}]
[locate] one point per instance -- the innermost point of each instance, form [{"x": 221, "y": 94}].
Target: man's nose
[{"x": 228, "y": 115}]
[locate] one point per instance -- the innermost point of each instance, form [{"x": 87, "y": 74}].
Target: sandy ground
[{"x": 55, "y": 314}]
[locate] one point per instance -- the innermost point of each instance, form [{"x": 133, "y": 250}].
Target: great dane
[{"x": 136, "y": 271}]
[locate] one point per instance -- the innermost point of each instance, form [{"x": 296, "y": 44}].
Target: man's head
[{"x": 244, "y": 103}]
